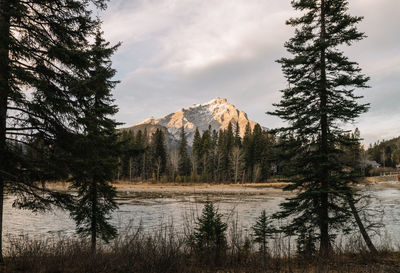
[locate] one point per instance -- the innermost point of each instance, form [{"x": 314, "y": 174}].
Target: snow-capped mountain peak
[{"x": 216, "y": 113}]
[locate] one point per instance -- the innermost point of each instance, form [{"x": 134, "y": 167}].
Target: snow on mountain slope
[{"x": 216, "y": 113}]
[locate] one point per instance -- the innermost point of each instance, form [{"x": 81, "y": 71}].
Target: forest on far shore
[{"x": 223, "y": 156}]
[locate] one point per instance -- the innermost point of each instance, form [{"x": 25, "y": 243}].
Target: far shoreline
[{"x": 167, "y": 188}]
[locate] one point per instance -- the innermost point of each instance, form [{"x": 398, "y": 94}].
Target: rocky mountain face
[{"x": 216, "y": 113}]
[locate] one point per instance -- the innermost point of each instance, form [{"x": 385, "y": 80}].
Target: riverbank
[
  {"x": 187, "y": 188},
  {"x": 167, "y": 188}
]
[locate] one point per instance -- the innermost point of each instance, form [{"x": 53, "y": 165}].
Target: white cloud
[{"x": 179, "y": 52}]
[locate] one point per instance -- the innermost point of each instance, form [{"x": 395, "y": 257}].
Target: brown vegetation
[{"x": 166, "y": 251}]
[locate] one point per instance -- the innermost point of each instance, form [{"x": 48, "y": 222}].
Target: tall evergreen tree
[
  {"x": 320, "y": 98},
  {"x": 146, "y": 155},
  {"x": 207, "y": 156},
  {"x": 141, "y": 149},
  {"x": 228, "y": 143},
  {"x": 96, "y": 149},
  {"x": 184, "y": 161},
  {"x": 262, "y": 231},
  {"x": 248, "y": 149},
  {"x": 158, "y": 153},
  {"x": 213, "y": 162},
  {"x": 128, "y": 142},
  {"x": 197, "y": 152},
  {"x": 238, "y": 140},
  {"x": 43, "y": 50},
  {"x": 258, "y": 146}
]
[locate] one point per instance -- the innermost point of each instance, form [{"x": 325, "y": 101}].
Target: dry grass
[
  {"x": 214, "y": 188},
  {"x": 379, "y": 179},
  {"x": 166, "y": 251},
  {"x": 166, "y": 188}
]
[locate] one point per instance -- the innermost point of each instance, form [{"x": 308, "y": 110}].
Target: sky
[{"x": 176, "y": 53}]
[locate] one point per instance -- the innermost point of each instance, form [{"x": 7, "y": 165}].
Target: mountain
[{"x": 216, "y": 113}]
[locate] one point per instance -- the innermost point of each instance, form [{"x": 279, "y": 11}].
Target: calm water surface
[{"x": 137, "y": 209}]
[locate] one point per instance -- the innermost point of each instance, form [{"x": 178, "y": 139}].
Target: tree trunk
[
  {"x": 236, "y": 168},
  {"x": 264, "y": 251},
  {"x": 323, "y": 214},
  {"x": 4, "y": 93},
  {"x": 144, "y": 167},
  {"x": 94, "y": 219},
  {"x": 360, "y": 224},
  {"x": 130, "y": 169},
  {"x": 119, "y": 162}
]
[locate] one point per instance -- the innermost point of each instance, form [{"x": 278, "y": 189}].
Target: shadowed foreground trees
[
  {"x": 96, "y": 148},
  {"x": 318, "y": 101},
  {"x": 42, "y": 55}
]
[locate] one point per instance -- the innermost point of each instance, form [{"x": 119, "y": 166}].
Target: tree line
[{"x": 214, "y": 156}]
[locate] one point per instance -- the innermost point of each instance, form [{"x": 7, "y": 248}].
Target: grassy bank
[
  {"x": 165, "y": 251},
  {"x": 168, "y": 189}
]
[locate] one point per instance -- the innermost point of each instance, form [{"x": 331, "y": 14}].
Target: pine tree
[
  {"x": 258, "y": 146},
  {"x": 209, "y": 236},
  {"x": 227, "y": 145},
  {"x": 197, "y": 152},
  {"x": 220, "y": 153},
  {"x": 184, "y": 162},
  {"x": 128, "y": 151},
  {"x": 214, "y": 155},
  {"x": 146, "y": 155},
  {"x": 42, "y": 49},
  {"x": 262, "y": 231},
  {"x": 206, "y": 155},
  {"x": 319, "y": 98},
  {"x": 141, "y": 149},
  {"x": 158, "y": 153},
  {"x": 96, "y": 149},
  {"x": 248, "y": 148},
  {"x": 238, "y": 140}
]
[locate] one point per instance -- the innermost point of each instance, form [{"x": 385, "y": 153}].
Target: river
[{"x": 151, "y": 211}]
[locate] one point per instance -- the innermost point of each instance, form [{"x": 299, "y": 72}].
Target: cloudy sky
[{"x": 176, "y": 53}]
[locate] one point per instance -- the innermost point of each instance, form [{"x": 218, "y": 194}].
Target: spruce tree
[
  {"x": 262, "y": 231},
  {"x": 127, "y": 139},
  {"x": 248, "y": 149},
  {"x": 238, "y": 139},
  {"x": 96, "y": 149},
  {"x": 228, "y": 143},
  {"x": 158, "y": 153},
  {"x": 220, "y": 154},
  {"x": 206, "y": 155},
  {"x": 184, "y": 162},
  {"x": 318, "y": 101},
  {"x": 146, "y": 155},
  {"x": 141, "y": 148},
  {"x": 258, "y": 146},
  {"x": 209, "y": 236},
  {"x": 197, "y": 152},
  {"x": 214, "y": 155},
  {"x": 42, "y": 49}
]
